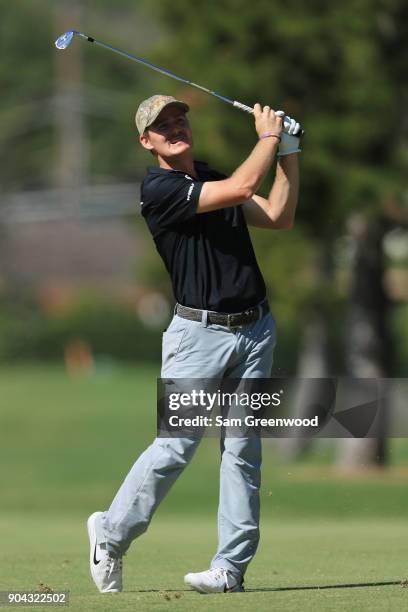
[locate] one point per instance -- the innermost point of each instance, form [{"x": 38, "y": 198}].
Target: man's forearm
[
  {"x": 284, "y": 193},
  {"x": 243, "y": 183},
  {"x": 252, "y": 171}
]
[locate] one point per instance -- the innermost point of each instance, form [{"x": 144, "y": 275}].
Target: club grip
[
  {"x": 250, "y": 110},
  {"x": 244, "y": 107}
]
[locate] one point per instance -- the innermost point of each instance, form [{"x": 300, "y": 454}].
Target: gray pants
[{"x": 196, "y": 350}]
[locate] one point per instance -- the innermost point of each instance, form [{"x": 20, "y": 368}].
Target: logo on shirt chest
[{"x": 190, "y": 189}]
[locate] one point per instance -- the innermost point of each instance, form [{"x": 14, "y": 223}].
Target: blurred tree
[
  {"x": 340, "y": 69},
  {"x": 369, "y": 350},
  {"x": 26, "y": 86},
  {"x": 110, "y": 90},
  {"x": 72, "y": 160}
]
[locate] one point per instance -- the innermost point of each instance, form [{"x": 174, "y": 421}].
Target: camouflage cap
[{"x": 150, "y": 109}]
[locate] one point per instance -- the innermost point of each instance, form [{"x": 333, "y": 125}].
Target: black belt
[{"x": 235, "y": 319}]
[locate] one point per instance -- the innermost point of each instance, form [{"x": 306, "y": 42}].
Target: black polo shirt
[{"x": 209, "y": 256}]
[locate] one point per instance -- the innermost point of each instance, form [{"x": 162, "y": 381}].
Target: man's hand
[
  {"x": 290, "y": 126},
  {"x": 267, "y": 121},
  {"x": 289, "y": 144}
]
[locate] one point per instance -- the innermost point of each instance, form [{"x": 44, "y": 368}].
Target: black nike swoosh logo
[{"x": 95, "y": 560}]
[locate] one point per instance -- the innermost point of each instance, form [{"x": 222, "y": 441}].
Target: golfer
[{"x": 222, "y": 326}]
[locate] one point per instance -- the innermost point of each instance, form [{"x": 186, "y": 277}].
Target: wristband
[{"x": 268, "y": 134}]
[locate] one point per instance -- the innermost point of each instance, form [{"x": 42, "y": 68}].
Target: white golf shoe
[
  {"x": 217, "y": 580},
  {"x": 106, "y": 571}
]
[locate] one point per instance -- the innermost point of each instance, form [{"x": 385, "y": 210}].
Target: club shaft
[{"x": 170, "y": 74}]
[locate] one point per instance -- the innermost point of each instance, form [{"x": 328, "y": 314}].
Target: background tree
[{"x": 340, "y": 69}]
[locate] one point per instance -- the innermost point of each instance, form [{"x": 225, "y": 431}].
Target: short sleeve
[{"x": 170, "y": 199}]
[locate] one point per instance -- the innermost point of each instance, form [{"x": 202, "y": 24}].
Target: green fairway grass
[
  {"x": 343, "y": 563},
  {"x": 67, "y": 444}
]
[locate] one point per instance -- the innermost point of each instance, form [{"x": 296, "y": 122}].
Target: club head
[{"x": 64, "y": 40}]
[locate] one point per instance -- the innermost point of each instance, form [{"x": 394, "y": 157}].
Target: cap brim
[{"x": 184, "y": 107}]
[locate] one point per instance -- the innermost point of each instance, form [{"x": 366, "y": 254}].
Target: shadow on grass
[{"x": 351, "y": 585}]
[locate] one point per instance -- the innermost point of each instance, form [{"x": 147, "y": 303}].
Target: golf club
[{"x": 65, "y": 39}]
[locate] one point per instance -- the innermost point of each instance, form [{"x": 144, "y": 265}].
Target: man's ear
[{"x": 145, "y": 141}]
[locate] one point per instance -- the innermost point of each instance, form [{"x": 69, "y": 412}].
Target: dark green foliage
[
  {"x": 110, "y": 331},
  {"x": 26, "y": 87},
  {"x": 340, "y": 68},
  {"x": 110, "y": 90},
  {"x": 337, "y": 67}
]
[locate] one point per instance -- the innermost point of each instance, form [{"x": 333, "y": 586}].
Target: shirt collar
[{"x": 199, "y": 165}]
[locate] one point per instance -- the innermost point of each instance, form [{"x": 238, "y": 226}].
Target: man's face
[{"x": 170, "y": 135}]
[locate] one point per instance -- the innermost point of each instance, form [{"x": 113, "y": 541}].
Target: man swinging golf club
[{"x": 198, "y": 219}]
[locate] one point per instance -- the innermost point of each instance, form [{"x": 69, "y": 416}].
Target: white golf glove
[
  {"x": 290, "y": 126},
  {"x": 289, "y": 144}
]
